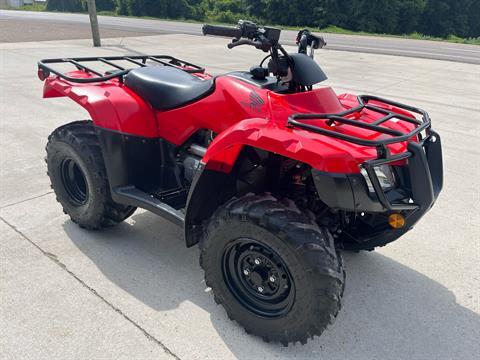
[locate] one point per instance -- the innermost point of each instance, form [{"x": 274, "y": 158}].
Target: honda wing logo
[{"x": 255, "y": 103}]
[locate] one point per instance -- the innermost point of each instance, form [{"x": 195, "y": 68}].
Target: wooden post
[{"x": 92, "y": 12}]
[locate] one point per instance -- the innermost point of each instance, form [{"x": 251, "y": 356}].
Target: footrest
[
  {"x": 130, "y": 195},
  {"x": 176, "y": 198}
]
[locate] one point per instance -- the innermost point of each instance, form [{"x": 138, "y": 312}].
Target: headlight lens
[{"x": 385, "y": 176}]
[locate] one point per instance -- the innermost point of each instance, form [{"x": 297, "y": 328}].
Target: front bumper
[{"x": 421, "y": 185}]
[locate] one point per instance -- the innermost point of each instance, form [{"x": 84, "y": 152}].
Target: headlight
[{"x": 385, "y": 176}]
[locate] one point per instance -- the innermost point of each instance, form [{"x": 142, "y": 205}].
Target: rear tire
[
  {"x": 273, "y": 269},
  {"x": 79, "y": 179}
]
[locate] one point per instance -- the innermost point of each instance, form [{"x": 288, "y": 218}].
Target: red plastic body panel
[
  {"x": 232, "y": 101},
  {"x": 241, "y": 114},
  {"x": 110, "y": 104}
]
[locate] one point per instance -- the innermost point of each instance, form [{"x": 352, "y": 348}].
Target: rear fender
[{"x": 111, "y": 105}]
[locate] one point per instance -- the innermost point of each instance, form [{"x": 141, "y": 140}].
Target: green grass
[
  {"x": 33, "y": 7},
  {"x": 416, "y": 36},
  {"x": 329, "y": 30}
]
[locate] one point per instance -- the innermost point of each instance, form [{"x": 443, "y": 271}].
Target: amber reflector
[{"x": 396, "y": 221}]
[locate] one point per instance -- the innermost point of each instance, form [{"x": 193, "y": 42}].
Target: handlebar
[
  {"x": 218, "y": 30},
  {"x": 246, "y": 33},
  {"x": 267, "y": 39}
]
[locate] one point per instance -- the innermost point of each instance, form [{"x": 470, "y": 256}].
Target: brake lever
[
  {"x": 237, "y": 42},
  {"x": 258, "y": 44}
]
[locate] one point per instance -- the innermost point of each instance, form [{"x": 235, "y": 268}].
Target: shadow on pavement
[{"x": 390, "y": 310}]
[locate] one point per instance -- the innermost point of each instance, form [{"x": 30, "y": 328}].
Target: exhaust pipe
[{"x": 198, "y": 150}]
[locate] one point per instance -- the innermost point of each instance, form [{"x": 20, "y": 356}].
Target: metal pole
[{"x": 92, "y": 12}]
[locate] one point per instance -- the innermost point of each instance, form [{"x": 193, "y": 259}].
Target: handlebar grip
[{"x": 226, "y": 31}]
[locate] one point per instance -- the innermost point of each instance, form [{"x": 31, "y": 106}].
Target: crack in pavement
[
  {"x": 55, "y": 259},
  {"x": 25, "y": 200}
]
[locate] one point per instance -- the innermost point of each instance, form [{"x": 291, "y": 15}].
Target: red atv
[{"x": 270, "y": 176}]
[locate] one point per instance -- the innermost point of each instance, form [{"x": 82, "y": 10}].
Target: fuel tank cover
[{"x": 258, "y": 72}]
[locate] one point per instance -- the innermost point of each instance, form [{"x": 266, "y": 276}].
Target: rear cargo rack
[
  {"x": 45, "y": 69},
  {"x": 420, "y": 176}
]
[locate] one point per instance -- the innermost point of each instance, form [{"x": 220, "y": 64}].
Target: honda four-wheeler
[{"x": 271, "y": 176}]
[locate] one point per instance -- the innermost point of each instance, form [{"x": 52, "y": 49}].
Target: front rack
[
  {"x": 420, "y": 176},
  {"x": 118, "y": 71},
  {"x": 363, "y": 101}
]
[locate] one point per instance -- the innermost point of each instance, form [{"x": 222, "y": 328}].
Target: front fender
[
  {"x": 214, "y": 182},
  {"x": 271, "y": 136}
]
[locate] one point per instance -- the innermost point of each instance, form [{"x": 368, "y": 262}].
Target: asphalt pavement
[
  {"x": 352, "y": 43},
  {"x": 135, "y": 292},
  {"x": 13, "y": 30}
]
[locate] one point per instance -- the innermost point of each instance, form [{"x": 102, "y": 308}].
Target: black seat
[{"x": 166, "y": 87}]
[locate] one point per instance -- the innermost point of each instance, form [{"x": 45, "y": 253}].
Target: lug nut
[
  {"x": 246, "y": 272},
  {"x": 272, "y": 278},
  {"x": 260, "y": 289},
  {"x": 257, "y": 261}
]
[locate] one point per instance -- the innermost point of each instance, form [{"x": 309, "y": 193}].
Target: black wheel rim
[
  {"x": 74, "y": 182},
  {"x": 258, "y": 278}
]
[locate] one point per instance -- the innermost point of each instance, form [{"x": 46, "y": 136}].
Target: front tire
[
  {"x": 78, "y": 177},
  {"x": 272, "y": 268}
]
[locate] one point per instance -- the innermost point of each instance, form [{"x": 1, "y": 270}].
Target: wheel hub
[
  {"x": 262, "y": 275},
  {"x": 258, "y": 278},
  {"x": 74, "y": 182}
]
